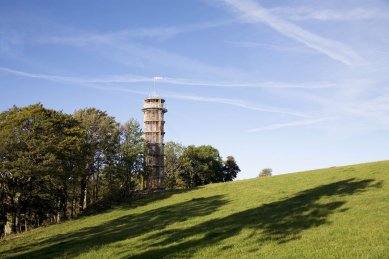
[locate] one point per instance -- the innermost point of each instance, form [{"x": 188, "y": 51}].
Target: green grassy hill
[{"x": 340, "y": 212}]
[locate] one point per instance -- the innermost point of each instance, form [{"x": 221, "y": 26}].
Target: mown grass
[{"x": 340, "y": 212}]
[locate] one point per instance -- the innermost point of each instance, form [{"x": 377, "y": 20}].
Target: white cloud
[
  {"x": 363, "y": 105},
  {"x": 198, "y": 98},
  {"x": 69, "y": 79},
  {"x": 166, "y": 32},
  {"x": 251, "y": 11},
  {"x": 251, "y": 84},
  {"x": 115, "y": 46},
  {"x": 309, "y": 13},
  {"x": 129, "y": 79},
  {"x": 252, "y": 44},
  {"x": 290, "y": 124},
  {"x": 233, "y": 102},
  {"x": 159, "y": 33}
]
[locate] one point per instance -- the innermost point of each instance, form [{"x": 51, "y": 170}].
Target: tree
[
  {"x": 100, "y": 147},
  {"x": 39, "y": 152},
  {"x": 173, "y": 152},
  {"x": 265, "y": 172},
  {"x": 230, "y": 170},
  {"x": 132, "y": 157},
  {"x": 200, "y": 165},
  {"x": 187, "y": 167}
]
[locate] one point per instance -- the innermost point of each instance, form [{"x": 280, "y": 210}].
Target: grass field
[{"x": 339, "y": 212}]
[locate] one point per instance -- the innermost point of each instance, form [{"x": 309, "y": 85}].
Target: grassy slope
[{"x": 340, "y": 212}]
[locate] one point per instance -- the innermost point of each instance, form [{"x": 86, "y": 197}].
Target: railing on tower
[{"x": 151, "y": 105}]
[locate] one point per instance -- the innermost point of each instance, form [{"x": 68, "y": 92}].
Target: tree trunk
[
  {"x": 64, "y": 208},
  {"x": 14, "y": 214},
  {"x": 58, "y": 218},
  {"x": 64, "y": 202},
  {"x": 20, "y": 224},
  {"x": 83, "y": 194},
  {"x": 74, "y": 200},
  {"x": 3, "y": 231},
  {"x": 14, "y": 222},
  {"x": 72, "y": 208},
  {"x": 97, "y": 187}
]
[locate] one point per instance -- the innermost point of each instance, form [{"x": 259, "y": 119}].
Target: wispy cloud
[
  {"x": 167, "y": 32},
  {"x": 309, "y": 13},
  {"x": 205, "y": 99},
  {"x": 233, "y": 102},
  {"x": 69, "y": 79},
  {"x": 363, "y": 105},
  {"x": 252, "y": 84},
  {"x": 115, "y": 47},
  {"x": 289, "y": 124},
  {"x": 158, "y": 33},
  {"x": 251, "y": 44},
  {"x": 129, "y": 79},
  {"x": 251, "y": 11},
  {"x": 197, "y": 98}
]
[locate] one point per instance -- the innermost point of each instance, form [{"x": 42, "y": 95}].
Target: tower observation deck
[{"x": 153, "y": 127}]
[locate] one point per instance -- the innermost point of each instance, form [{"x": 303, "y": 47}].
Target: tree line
[{"x": 55, "y": 166}]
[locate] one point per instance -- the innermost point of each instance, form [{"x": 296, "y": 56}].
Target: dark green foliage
[
  {"x": 173, "y": 152},
  {"x": 39, "y": 151},
  {"x": 187, "y": 167},
  {"x": 230, "y": 170},
  {"x": 53, "y": 165},
  {"x": 200, "y": 165},
  {"x": 132, "y": 158},
  {"x": 100, "y": 149}
]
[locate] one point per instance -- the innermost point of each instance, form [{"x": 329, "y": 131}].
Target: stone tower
[{"x": 153, "y": 127}]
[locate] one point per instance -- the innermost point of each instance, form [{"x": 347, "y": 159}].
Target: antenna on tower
[{"x": 156, "y": 78}]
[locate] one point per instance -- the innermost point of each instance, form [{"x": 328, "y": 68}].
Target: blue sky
[{"x": 290, "y": 85}]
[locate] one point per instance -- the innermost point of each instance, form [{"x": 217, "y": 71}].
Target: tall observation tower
[{"x": 153, "y": 127}]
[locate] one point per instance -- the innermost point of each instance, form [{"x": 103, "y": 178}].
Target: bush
[{"x": 265, "y": 172}]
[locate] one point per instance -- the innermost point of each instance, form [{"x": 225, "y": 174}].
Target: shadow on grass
[
  {"x": 130, "y": 226},
  {"x": 146, "y": 198},
  {"x": 280, "y": 221},
  {"x": 140, "y": 198}
]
